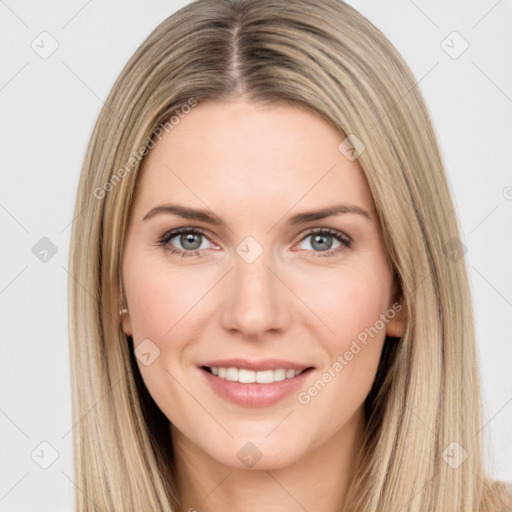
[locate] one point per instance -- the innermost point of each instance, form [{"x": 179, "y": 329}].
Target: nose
[{"x": 257, "y": 301}]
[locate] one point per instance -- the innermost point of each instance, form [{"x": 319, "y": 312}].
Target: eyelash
[{"x": 338, "y": 235}]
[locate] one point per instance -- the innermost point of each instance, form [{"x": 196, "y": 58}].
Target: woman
[{"x": 269, "y": 306}]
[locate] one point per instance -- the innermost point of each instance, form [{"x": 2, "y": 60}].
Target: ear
[
  {"x": 395, "y": 328},
  {"x": 124, "y": 317},
  {"x": 126, "y": 324}
]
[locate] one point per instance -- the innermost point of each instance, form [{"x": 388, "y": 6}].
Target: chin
[{"x": 256, "y": 453}]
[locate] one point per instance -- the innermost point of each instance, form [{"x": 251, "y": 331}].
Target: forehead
[{"x": 246, "y": 154}]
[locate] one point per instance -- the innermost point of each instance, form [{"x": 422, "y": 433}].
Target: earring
[{"x": 123, "y": 311}]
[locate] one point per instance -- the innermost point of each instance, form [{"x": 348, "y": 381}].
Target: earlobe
[
  {"x": 396, "y": 326},
  {"x": 126, "y": 324},
  {"x": 118, "y": 307},
  {"x": 396, "y": 313}
]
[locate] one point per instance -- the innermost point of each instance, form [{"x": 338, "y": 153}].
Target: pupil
[
  {"x": 189, "y": 238},
  {"x": 324, "y": 238}
]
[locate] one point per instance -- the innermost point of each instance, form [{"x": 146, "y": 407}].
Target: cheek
[
  {"x": 160, "y": 297},
  {"x": 358, "y": 308},
  {"x": 352, "y": 304},
  {"x": 161, "y": 303},
  {"x": 167, "y": 307},
  {"x": 348, "y": 302}
]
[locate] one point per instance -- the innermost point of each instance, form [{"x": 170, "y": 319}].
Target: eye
[
  {"x": 322, "y": 241},
  {"x": 191, "y": 240}
]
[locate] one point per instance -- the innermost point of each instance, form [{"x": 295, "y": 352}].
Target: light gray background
[{"x": 48, "y": 108}]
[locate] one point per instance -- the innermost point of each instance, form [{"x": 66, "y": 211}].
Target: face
[{"x": 224, "y": 273}]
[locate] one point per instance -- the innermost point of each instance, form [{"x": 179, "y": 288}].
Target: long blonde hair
[{"x": 327, "y": 57}]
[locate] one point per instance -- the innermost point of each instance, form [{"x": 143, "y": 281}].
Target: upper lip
[{"x": 263, "y": 364}]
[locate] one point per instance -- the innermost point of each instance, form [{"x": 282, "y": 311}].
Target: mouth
[{"x": 255, "y": 384}]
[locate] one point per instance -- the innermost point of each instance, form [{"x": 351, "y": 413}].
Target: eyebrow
[{"x": 300, "y": 218}]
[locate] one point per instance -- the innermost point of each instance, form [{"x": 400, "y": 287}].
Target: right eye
[{"x": 190, "y": 239}]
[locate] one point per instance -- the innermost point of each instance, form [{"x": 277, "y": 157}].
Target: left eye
[{"x": 322, "y": 241}]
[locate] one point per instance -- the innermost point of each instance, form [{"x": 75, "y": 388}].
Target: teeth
[{"x": 249, "y": 376}]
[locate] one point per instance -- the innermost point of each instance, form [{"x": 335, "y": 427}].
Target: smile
[{"x": 254, "y": 384}]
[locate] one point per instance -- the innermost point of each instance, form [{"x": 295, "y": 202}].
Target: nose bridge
[{"x": 256, "y": 300}]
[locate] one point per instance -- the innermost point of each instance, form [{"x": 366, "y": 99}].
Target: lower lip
[{"x": 255, "y": 395}]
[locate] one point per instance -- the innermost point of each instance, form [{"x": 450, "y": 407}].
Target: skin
[{"x": 253, "y": 167}]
